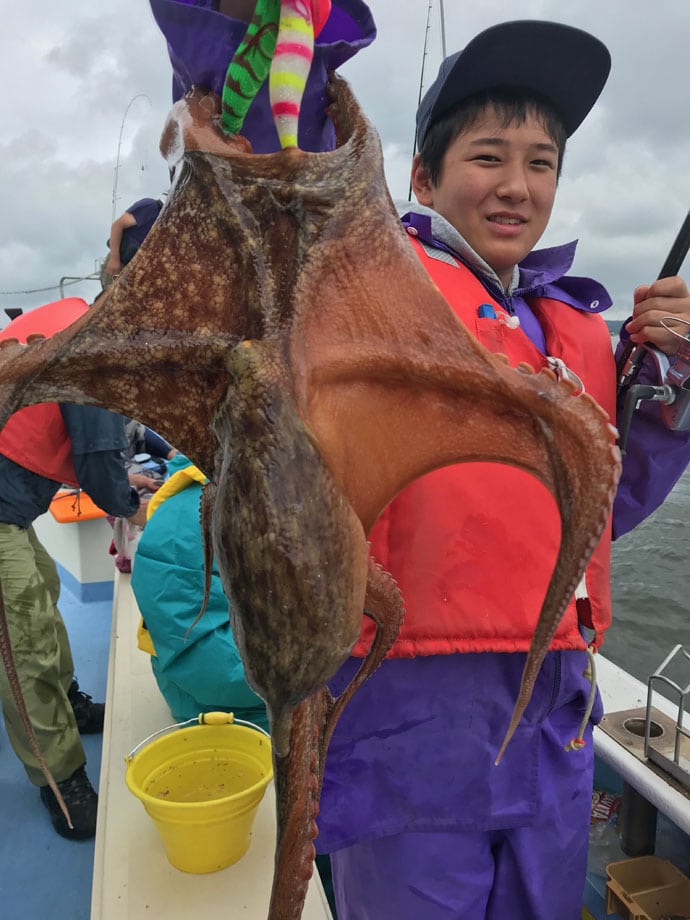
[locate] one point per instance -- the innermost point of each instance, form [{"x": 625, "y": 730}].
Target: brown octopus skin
[{"x": 278, "y": 304}]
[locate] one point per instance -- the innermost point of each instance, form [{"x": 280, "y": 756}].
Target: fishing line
[{"x": 674, "y": 319}]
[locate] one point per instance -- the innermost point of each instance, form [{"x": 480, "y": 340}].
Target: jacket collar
[{"x": 540, "y": 274}]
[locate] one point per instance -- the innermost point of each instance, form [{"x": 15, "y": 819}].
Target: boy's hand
[{"x": 666, "y": 297}]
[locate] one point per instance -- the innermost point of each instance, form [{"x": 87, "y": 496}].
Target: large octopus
[{"x": 277, "y": 327}]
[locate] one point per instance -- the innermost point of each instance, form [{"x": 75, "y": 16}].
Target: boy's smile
[{"x": 497, "y": 188}]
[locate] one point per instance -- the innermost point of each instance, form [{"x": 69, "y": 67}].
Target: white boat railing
[{"x": 619, "y": 741}]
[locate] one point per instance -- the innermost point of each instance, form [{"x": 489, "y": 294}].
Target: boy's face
[{"x": 497, "y": 187}]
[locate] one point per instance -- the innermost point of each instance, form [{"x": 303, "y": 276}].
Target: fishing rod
[
  {"x": 421, "y": 77},
  {"x": 631, "y": 358},
  {"x": 674, "y": 392},
  {"x": 421, "y": 86},
  {"x": 443, "y": 30}
]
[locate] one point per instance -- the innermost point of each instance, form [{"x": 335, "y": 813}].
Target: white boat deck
[
  {"x": 620, "y": 691},
  {"x": 132, "y": 878}
]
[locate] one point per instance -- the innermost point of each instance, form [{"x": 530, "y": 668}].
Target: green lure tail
[{"x": 250, "y": 65}]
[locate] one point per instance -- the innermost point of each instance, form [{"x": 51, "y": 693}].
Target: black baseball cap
[{"x": 566, "y": 65}]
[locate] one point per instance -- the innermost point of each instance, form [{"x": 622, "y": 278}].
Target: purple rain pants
[{"x": 421, "y": 825}]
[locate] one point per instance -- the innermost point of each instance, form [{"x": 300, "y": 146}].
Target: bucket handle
[{"x": 204, "y": 718}]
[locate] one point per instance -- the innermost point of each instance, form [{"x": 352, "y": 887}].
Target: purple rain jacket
[
  {"x": 414, "y": 748},
  {"x": 201, "y": 43}
]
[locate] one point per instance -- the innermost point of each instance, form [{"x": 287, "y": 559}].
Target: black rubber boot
[{"x": 81, "y": 800}]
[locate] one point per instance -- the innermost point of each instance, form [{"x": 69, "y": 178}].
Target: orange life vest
[
  {"x": 473, "y": 546},
  {"x": 36, "y": 438}
]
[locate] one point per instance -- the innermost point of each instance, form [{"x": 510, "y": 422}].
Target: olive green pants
[{"x": 42, "y": 655}]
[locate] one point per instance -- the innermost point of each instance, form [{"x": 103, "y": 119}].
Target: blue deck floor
[{"x": 43, "y": 876}]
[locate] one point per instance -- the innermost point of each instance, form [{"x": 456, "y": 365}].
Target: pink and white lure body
[{"x": 300, "y": 23}]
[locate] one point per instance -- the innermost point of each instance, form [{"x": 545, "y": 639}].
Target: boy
[{"x": 418, "y": 820}]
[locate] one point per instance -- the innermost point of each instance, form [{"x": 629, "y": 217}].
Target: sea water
[{"x": 650, "y": 579}]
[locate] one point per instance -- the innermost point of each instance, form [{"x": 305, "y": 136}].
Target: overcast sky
[{"x": 71, "y": 73}]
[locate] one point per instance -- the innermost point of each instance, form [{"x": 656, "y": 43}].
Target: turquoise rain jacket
[{"x": 202, "y": 671}]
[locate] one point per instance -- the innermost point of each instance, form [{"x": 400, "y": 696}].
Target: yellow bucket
[{"x": 202, "y": 787}]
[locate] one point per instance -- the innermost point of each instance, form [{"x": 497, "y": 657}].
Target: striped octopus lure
[{"x": 278, "y": 44}]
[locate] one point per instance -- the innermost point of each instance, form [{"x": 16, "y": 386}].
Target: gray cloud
[{"x": 69, "y": 73}]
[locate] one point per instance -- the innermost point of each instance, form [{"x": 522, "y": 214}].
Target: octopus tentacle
[
  {"x": 208, "y": 499},
  {"x": 384, "y": 605},
  {"x": 298, "y": 777},
  {"x": 570, "y": 565},
  {"x": 299, "y": 774}
]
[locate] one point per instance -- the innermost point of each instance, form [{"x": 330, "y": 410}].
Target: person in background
[
  {"x": 140, "y": 440},
  {"x": 196, "y": 664},
  {"x": 418, "y": 819},
  {"x": 43, "y": 447},
  {"x": 127, "y": 233}
]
